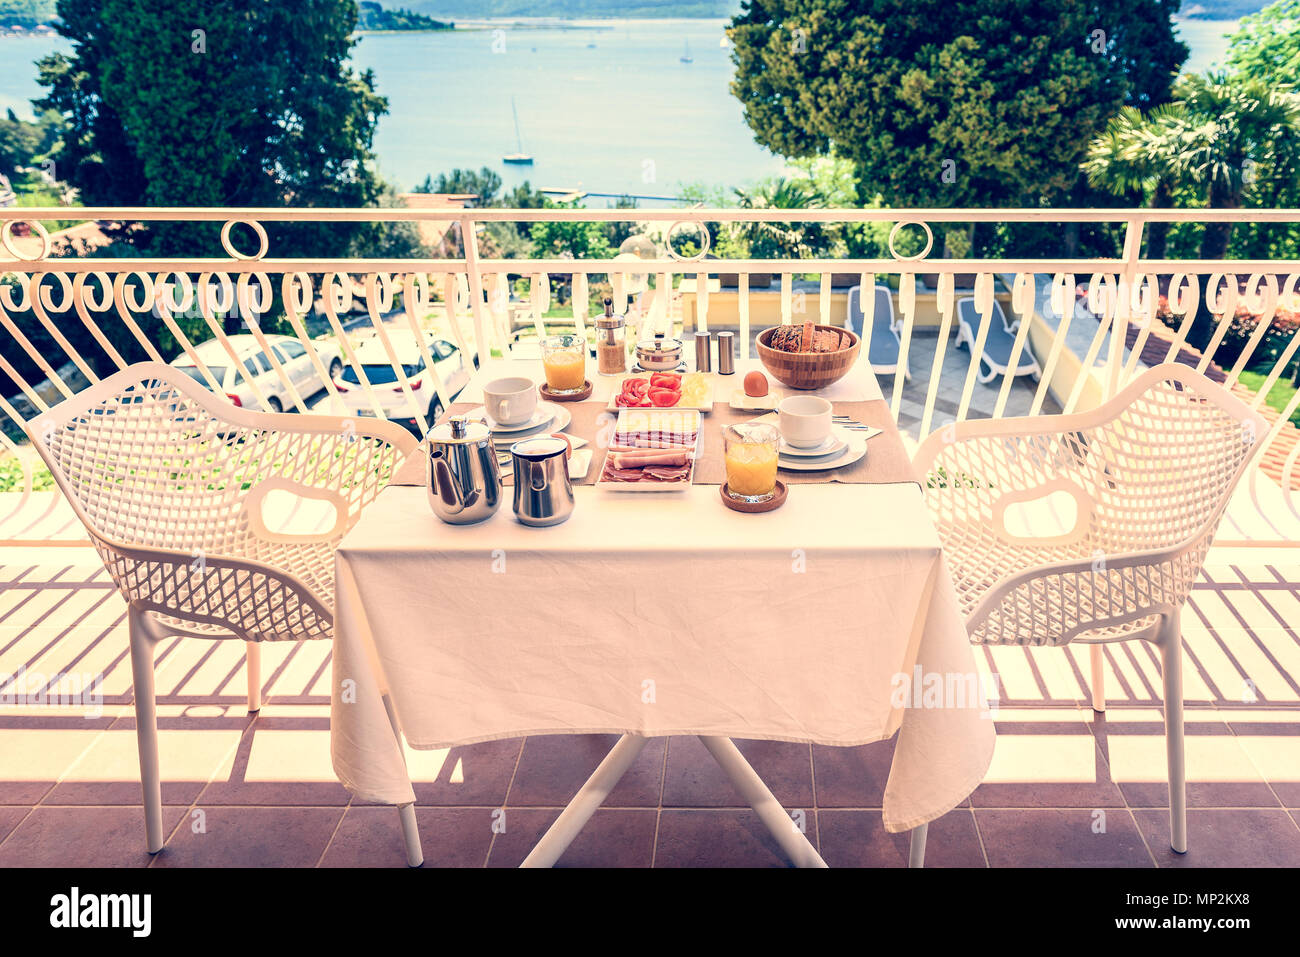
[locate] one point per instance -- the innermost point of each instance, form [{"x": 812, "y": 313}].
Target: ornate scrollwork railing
[{"x": 1091, "y": 324}]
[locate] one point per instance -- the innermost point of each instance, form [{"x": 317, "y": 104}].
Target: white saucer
[
  {"x": 856, "y": 448},
  {"x": 837, "y": 441},
  {"x": 579, "y": 463},
  {"x": 542, "y": 418}
]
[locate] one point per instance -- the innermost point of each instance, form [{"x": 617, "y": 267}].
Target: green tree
[
  {"x": 485, "y": 184},
  {"x": 563, "y": 240},
  {"x": 1267, "y": 44},
  {"x": 949, "y": 102},
  {"x": 216, "y": 103},
  {"x": 775, "y": 240},
  {"x": 524, "y": 196},
  {"x": 26, "y": 143},
  {"x": 567, "y": 240},
  {"x": 1266, "y": 47}
]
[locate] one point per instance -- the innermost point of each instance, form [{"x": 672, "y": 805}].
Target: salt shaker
[
  {"x": 702, "y": 352},
  {"x": 726, "y": 361}
]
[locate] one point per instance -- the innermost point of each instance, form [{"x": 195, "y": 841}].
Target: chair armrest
[
  {"x": 1057, "y": 602},
  {"x": 252, "y": 599},
  {"x": 974, "y": 472},
  {"x": 348, "y": 462}
]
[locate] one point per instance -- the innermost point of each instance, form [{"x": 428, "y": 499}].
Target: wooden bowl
[{"x": 807, "y": 370}]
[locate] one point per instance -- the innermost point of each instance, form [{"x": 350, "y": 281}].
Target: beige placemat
[{"x": 885, "y": 463}]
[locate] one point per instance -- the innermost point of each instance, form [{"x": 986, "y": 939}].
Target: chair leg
[
  {"x": 916, "y": 850},
  {"x": 253, "y": 658},
  {"x": 1171, "y": 667},
  {"x": 146, "y": 725},
  {"x": 1098, "y": 679}
]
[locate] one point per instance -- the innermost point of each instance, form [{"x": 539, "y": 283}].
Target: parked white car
[
  {"x": 447, "y": 360},
  {"x": 256, "y": 365}
]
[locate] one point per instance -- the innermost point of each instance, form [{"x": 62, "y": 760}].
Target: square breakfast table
[{"x": 659, "y": 614}]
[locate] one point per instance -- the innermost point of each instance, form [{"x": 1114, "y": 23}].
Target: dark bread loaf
[
  {"x": 785, "y": 338},
  {"x": 791, "y": 339}
]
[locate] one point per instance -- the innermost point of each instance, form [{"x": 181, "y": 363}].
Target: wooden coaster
[
  {"x": 583, "y": 393},
  {"x": 775, "y": 502}
]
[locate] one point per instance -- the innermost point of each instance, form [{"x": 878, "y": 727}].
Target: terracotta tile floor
[{"x": 1066, "y": 786}]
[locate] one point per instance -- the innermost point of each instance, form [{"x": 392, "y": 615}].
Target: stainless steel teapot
[{"x": 464, "y": 480}]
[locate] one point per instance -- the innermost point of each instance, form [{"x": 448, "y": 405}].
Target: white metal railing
[{"x": 469, "y": 299}]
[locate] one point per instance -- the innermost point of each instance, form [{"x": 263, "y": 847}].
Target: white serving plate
[
  {"x": 706, "y": 404},
  {"x": 627, "y": 418}
]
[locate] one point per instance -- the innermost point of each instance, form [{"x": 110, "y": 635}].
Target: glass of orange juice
[
  {"x": 565, "y": 360},
  {"x": 750, "y": 450}
]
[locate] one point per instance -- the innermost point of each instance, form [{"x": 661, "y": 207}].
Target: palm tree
[
  {"x": 1121, "y": 161},
  {"x": 768, "y": 240},
  {"x": 1211, "y": 140}
]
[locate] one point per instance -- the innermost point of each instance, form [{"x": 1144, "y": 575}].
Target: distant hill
[
  {"x": 574, "y": 9},
  {"x": 372, "y": 16},
  {"x": 29, "y": 13},
  {"x": 26, "y": 13},
  {"x": 1220, "y": 9},
  {"x": 578, "y": 9}
]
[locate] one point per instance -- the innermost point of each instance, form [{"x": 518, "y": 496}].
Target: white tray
[
  {"x": 690, "y": 417},
  {"x": 705, "y": 406}
]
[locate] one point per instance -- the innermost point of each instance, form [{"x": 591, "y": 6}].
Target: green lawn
[
  {"x": 1278, "y": 396},
  {"x": 11, "y": 475}
]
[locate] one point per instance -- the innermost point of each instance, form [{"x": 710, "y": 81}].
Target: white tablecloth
[{"x": 655, "y": 615}]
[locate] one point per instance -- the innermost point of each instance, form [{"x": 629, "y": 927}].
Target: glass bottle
[{"x": 611, "y": 342}]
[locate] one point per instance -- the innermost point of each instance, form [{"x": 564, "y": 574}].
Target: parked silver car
[{"x": 254, "y": 364}]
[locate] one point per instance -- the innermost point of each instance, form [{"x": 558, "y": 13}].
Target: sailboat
[
  {"x": 518, "y": 158},
  {"x": 686, "y": 54}
]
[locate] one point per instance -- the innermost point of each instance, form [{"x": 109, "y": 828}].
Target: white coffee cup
[
  {"x": 805, "y": 420},
  {"x": 510, "y": 401}
]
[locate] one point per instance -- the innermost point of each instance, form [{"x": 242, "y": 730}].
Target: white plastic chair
[
  {"x": 171, "y": 482},
  {"x": 1151, "y": 472}
]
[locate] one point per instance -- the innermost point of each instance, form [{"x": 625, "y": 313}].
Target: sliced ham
[{"x": 639, "y": 459}]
